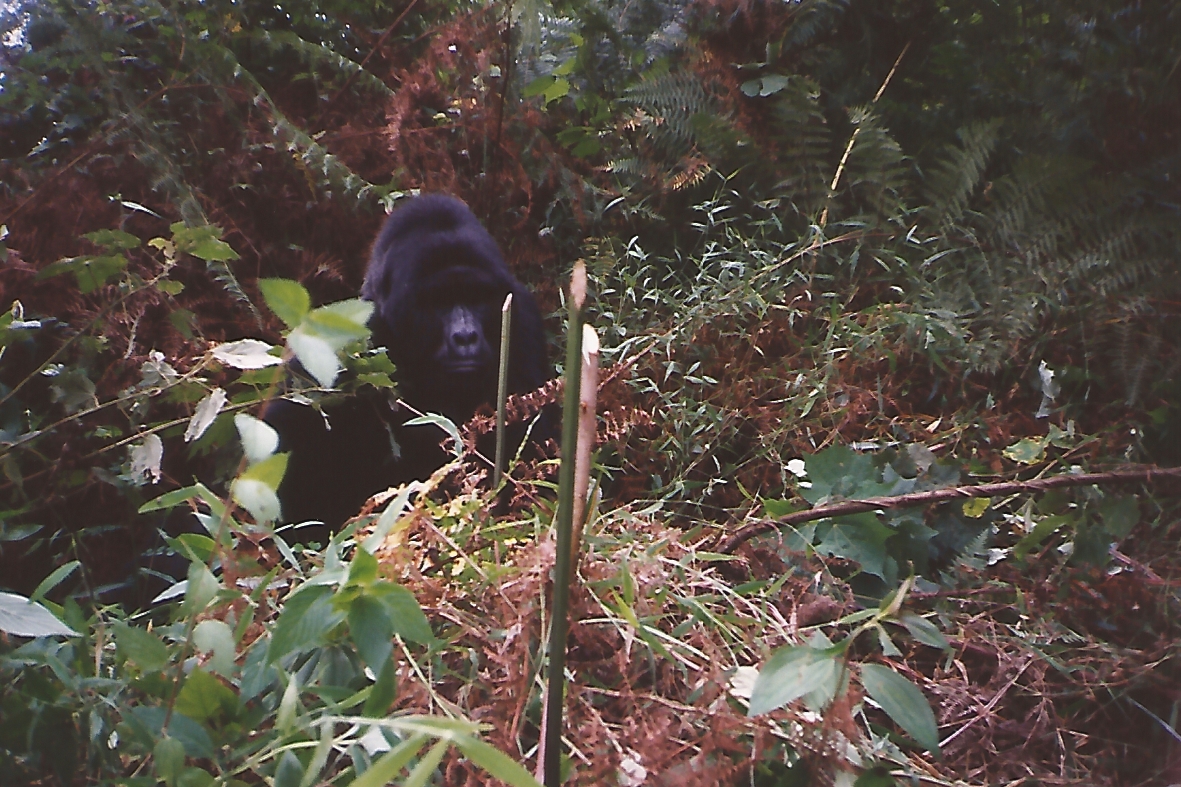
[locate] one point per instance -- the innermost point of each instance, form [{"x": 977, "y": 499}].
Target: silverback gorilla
[{"x": 437, "y": 282}]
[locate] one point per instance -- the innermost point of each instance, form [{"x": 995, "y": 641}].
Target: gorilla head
[{"x": 437, "y": 282}]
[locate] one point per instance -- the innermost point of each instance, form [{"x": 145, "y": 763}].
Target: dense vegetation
[{"x": 838, "y": 250}]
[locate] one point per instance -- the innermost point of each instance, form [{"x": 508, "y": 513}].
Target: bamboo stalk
[
  {"x": 506, "y": 324},
  {"x": 551, "y": 751},
  {"x": 588, "y": 391}
]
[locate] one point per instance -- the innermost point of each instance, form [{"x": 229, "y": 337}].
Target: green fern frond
[
  {"x": 803, "y": 140},
  {"x": 669, "y": 104},
  {"x": 317, "y": 54},
  {"x": 876, "y": 174},
  {"x": 958, "y": 170}
]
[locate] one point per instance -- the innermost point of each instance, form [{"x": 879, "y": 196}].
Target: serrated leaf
[
  {"x": 307, "y": 617},
  {"x": 287, "y": 299},
  {"x": 975, "y": 507},
  {"x": 341, "y": 322},
  {"x": 269, "y": 471},
  {"x": 259, "y": 439},
  {"x": 140, "y": 646},
  {"x": 207, "y": 411},
  {"x": 317, "y": 356},
  {"x": 146, "y": 459},
  {"x": 1026, "y": 451},
  {"x": 212, "y": 249},
  {"x": 258, "y": 498},
  {"x": 112, "y": 239},
  {"x": 205, "y": 698},
  {"x": 840, "y": 473},
  {"x": 216, "y": 637},
  {"x": 903, "y": 702},
  {"x": 246, "y": 354}
]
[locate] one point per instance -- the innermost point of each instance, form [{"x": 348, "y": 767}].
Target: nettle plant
[{"x": 244, "y": 670}]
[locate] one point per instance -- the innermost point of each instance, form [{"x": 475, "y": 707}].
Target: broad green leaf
[
  {"x": 1119, "y": 515},
  {"x": 371, "y": 630},
  {"x": 140, "y": 646},
  {"x": 23, "y": 618},
  {"x": 903, "y": 702},
  {"x": 169, "y": 756},
  {"x": 383, "y": 692},
  {"x": 858, "y": 537},
  {"x": 216, "y": 636},
  {"x": 201, "y": 589},
  {"x": 976, "y": 506},
  {"x": 289, "y": 771},
  {"x": 113, "y": 239},
  {"x": 840, "y": 473},
  {"x": 363, "y": 568},
  {"x": 307, "y": 617},
  {"x": 150, "y": 720},
  {"x": 210, "y": 249},
  {"x": 287, "y": 299},
  {"x": 270, "y": 470},
  {"x": 788, "y": 675},
  {"x": 405, "y": 613},
  {"x": 205, "y": 698},
  {"x": 94, "y": 272},
  {"x": 923, "y": 630},
  {"x": 1026, "y": 451},
  {"x": 538, "y": 86},
  {"x": 340, "y": 323}
]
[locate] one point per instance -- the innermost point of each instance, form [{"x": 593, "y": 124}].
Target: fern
[
  {"x": 803, "y": 140},
  {"x": 956, "y": 175},
  {"x": 315, "y": 54}
]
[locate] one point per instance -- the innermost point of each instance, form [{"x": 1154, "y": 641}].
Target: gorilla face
[{"x": 438, "y": 281}]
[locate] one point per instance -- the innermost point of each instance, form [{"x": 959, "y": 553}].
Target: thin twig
[{"x": 836, "y": 178}]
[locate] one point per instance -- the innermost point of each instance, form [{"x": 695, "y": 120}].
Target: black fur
[{"x": 437, "y": 281}]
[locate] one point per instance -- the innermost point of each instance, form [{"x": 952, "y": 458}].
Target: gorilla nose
[{"x": 465, "y": 337}]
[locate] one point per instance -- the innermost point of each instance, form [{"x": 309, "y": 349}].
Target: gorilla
[{"x": 437, "y": 281}]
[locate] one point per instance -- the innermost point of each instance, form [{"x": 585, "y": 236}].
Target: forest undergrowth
[{"x": 837, "y": 250}]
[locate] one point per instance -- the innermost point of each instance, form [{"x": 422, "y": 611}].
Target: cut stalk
[
  {"x": 551, "y": 754},
  {"x": 506, "y": 324}
]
